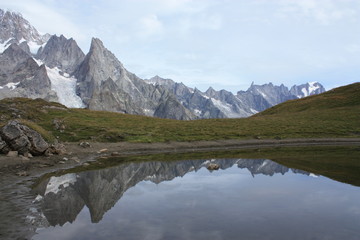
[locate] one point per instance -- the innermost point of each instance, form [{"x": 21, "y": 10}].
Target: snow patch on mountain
[
  {"x": 39, "y": 62},
  {"x": 34, "y": 47},
  {"x": 10, "y": 86},
  {"x": 197, "y": 112},
  {"x": 3, "y": 46},
  {"x": 253, "y": 111},
  {"x": 305, "y": 92},
  {"x": 310, "y": 89},
  {"x": 65, "y": 88},
  {"x": 226, "y": 108},
  {"x": 262, "y": 94},
  {"x": 313, "y": 86}
]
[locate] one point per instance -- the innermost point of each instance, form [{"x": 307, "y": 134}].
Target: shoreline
[{"x": 77, "y": 155}]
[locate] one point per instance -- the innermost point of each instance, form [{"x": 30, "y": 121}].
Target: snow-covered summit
[
  {"x": 16, "y": 29},
  {"x": 307, "y": 89}
]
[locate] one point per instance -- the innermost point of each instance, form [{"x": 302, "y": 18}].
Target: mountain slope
[
  {"x": 346, "y": 97},
  {"x": 97, "y": 81},
  {"x": 62, "y": 53},
  {"x": 16, "y": 29},
  {"x": 127, "y": 94},
  {"x": 332, "y": 114},
  {"x": 224, "y": 104},
  {"x": 20, "y": 76}
]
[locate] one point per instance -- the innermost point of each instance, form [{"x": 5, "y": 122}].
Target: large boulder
[
  {"x": 21, "y": 138},
  {"x": 3, "y": 146}
]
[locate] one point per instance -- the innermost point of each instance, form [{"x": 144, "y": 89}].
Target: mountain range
[{"x": 54, "y": 68}]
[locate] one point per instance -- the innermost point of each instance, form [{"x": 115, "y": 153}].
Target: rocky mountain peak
[
  {"x": 307, "y": 89},
  {"x": 210, "y": 92},
  {"x": 157, "y": 80},
  {"x": 13, "y": 54},
  {"x": 62, "y": 53},
  {"x": 13, "y": 25},
  {"x": 16, "y": 29},
  {"x": 96, "y": 45}
]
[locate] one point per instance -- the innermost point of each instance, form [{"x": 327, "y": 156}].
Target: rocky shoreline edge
[{"x": 80, "y": 153}]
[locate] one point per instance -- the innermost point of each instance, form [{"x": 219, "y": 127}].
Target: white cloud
[
  {"x": 213, "y": 42},
  {"x": 150, "y": 25},
  {"x": 45, "y": 19},
  {"x": 323, "y": 11}
]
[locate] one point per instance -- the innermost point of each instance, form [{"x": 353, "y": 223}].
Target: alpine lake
[{"x": 274, "y": 193}]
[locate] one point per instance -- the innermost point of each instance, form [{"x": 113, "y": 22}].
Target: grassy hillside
[{"x": 333, "y": 114}]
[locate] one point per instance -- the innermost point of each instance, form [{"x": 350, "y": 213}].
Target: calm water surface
[{"x": 244, "y": 199}]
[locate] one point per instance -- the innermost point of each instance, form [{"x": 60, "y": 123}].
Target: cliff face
[
  {"x": 224, "y": 104},
  {"x": 55, "y": 68},
  {"x": 62, "y": 53},
  {"x": 104, "y": 84},
  {"x": 21, "y": 76}
]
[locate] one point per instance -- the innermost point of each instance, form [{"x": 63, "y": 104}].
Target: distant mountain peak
[
  {"x": 16, "y": 29},
  {"x": 96, "y": 44},
  {"x": 62, "y": 53},
  {"x": 308, "y": 89}
]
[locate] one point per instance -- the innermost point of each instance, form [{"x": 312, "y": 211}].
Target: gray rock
[
  {"x": 3, "y": 146},
  {"x": 104, "y": 84},
  {"x": 84, "y": 144},
  {"x": 62, "y": 53},
  {"x": 20, "y": 138},
  {"x": 224, "y": 104},
  {"x": 14, "y": 26},
  {"x": 58, "y": 149},
  {"x": 25, "y": 47},
  {"x": 24, "y": 158},
  {"x": 173, "y": 109},
  {"x": 26, "y": 77},
  {"x": 59, "y": 124},
  {"x": 307, "y": 89},
  {"x": 12, "y": 154}
]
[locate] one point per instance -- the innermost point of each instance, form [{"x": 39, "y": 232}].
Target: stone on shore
[
  {"x": 20, "y": 138},
  {"x": 12, "y": 154}
]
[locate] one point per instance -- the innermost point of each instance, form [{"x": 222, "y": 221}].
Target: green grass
[{"x": 333, "y": 114}]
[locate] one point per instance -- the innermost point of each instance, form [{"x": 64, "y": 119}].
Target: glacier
[{"x": 65, "y": 88}]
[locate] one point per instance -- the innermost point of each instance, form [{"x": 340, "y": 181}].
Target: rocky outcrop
[
  {"x": 224, "y": 104},
  {"x": 192, "y": 99},
  {"x": 172, "y": 109},
  {"x": 62, "y": 53},
  {"x": 99, "y": 81},
  {"x": 104, "y": 84},
  {"x": 308, "y": 89},
  {"x": 16, "y": 65},
  {"x": 18, "y": 137},
  {"x": 4, "y": 148},
  {"x": 20, "y": 76},
  {"x": 16, "y": 29}
]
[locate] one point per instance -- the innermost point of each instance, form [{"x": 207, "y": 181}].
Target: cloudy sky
[{"x": 226, "y": 44}]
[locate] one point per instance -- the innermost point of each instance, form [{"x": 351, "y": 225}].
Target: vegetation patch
[{"x": 332, "y": 114}]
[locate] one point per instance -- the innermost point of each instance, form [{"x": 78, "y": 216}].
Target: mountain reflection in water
[{"x": 61, "y": 198}]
